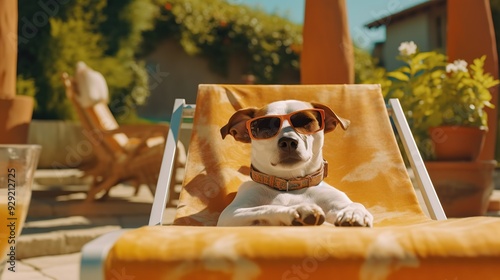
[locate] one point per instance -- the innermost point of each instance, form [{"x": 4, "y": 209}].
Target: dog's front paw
[
  {"x": 307, "y": 215},
  {"x": 354, "y": 215}
]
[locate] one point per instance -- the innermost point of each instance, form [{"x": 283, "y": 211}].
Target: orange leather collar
[{"x": 290, "y": 184}]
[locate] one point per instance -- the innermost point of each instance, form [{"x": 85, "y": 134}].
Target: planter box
[
  {"x": 15, "y": 117},
  {"x": 464, "y": 188},
  {"x": 457, "y": 143},
  {"x": 63, "y": 144}
]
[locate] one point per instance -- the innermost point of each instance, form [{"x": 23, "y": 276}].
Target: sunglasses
[{"x": 307, "y": 121}]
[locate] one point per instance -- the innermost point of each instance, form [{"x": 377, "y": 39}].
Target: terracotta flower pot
[
  {"x": 457, "y": 142},
  {"x": 464, "y": 188},
  {"x": 15, "y": 117}
]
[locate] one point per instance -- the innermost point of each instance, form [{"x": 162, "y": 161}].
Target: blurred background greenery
[{"x": 114, "y": 37}]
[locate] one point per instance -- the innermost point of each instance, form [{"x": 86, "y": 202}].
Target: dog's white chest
[{"x": 275, "y": 197}]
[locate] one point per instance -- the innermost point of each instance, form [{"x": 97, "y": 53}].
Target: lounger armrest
[
  {"x": 139, "y": 135},
  {"x": 141, "y": 130}
]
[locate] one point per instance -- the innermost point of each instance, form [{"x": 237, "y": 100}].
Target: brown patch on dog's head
[
  {"x": 312, "y": 121},
  {"x": 236, "y": 126},
  {"x": 331, "y": 119}
]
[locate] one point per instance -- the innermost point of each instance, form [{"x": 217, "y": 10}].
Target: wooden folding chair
[{"x": 123, "y": 153}]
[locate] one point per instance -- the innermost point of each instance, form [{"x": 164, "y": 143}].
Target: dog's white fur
[{"x": 258, "y": 204}]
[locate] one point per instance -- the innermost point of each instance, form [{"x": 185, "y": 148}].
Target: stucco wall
[
  {"x": 427, "y": 29},
  {"x": 414, "y": 29},
  {"x": 175, "y": 74}
]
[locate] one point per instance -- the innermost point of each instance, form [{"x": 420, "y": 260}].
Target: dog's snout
[{"x": 287, "y": 144}]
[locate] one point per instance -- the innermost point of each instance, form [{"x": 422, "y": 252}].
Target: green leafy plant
[
  {"x": 366, "y": 69},
  {"x": 434, "y": 92},
  {"x": 26, "y": 87},
  {"x": 106, "y": 34}
]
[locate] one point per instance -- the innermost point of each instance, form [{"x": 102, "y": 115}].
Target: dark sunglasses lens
[
  {"x": 264, "y": 128},
  {"x": 308, "y": 121}
]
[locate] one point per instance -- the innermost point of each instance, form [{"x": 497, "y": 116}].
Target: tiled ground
[{"x": 59, "y": 223}]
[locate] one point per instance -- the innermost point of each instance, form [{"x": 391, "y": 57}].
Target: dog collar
[{"x": 281, "y": 184}]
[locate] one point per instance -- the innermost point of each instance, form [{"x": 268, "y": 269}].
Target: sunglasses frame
[{"x": 282, "y": 119}]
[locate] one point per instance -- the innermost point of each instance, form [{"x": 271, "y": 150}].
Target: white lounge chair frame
[{"x": 94, "y": 253}]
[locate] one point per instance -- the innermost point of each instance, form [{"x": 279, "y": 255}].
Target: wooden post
[
  {"x": 8, "y": 48},
  {"x": 471, "y": 35},
  {"x": 327, "y": 55}
]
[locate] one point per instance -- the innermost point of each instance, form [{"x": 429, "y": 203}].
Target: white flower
[
  {"x": 458, "y": 65},
  {"x": 461, "y": 65},
  {"x": 407, "y": 48},
  {"x": 451, "y": 68}
]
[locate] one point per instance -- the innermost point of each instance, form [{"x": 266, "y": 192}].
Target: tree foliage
[
  {"x": 55, "y": 35},
  {"x": 112, "y": 36},
  {"x": 217, "y": 30}
]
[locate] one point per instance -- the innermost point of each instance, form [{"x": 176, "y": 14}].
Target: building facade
[{"x": 424, "y": 24}]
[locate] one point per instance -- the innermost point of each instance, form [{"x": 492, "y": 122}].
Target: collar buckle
[{"x": 282, "y": 184}]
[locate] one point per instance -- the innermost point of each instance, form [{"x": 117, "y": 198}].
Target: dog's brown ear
[
  {"x": 236, "y": 126},
  {"x": 331, "y": 119}
]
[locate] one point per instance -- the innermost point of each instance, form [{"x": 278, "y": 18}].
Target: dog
[{"x": 287, "y": 169}]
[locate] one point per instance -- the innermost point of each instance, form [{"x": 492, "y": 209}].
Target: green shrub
[
  {"x": 25, "y": 86},
  {"x": 366, "y": 69},
  {"x": 216, "y": 30},
  {"x": 112, "y": 35},
  {"x": 104, "y": 33}
]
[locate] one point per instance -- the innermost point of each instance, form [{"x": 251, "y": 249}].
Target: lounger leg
[
  {"x": 105, "y": 185},
  {"x": 137, "y": 185}
]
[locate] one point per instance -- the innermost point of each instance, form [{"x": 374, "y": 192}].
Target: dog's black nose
[{"x": 287, "y": 144}]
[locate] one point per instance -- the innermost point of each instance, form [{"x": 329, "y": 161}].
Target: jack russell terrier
[{"x": 288, "y": 168}]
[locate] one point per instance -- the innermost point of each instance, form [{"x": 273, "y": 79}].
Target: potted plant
[
  {"x": 443, "y": 101},
  {"x": 445, "y": 105}
]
